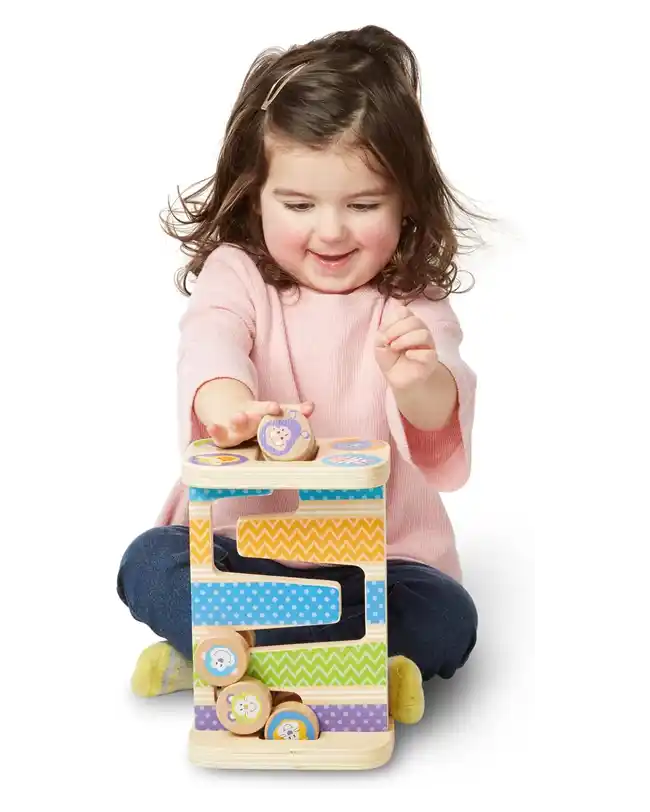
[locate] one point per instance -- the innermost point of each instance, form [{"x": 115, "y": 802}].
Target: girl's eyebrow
[{"x": 281, "y": 192}]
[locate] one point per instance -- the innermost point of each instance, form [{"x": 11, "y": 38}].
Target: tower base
[{"x": 331, "y": 751}]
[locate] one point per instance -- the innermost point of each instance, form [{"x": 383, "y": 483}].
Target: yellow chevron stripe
[
  {"x": 200, "y": 541},
  {"x": 326, "y": 540}
]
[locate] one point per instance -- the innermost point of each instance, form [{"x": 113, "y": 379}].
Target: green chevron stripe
[
  {"x": 362, "y": 664},
  {"x": 198, "y": 682}
]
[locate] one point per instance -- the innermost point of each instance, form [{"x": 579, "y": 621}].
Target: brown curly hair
[{"x": 363, "y": 83}]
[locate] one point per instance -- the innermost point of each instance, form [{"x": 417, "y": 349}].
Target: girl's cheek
[
  {"x": 290, "y": 237},
  {"x": 382, "y": 235},
  {"x": 283, "y": 231}
]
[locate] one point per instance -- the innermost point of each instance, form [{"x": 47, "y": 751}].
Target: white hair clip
[{"x": 279, "y": 84}]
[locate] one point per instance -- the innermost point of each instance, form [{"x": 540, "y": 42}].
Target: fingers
[
  {"x": 398, "y": 313},
  {"x": 414, "y": 340},
  {"x": 386, "y": 358},
  {"x": 405, "y": 333},
  {"x": 400, "y": 322},
  {"x": 240, "y": 420},
  {"x": 259, "y": 408},
  {"x": 244, "y": 424},
  {"x": 274, "y": 408},
  {"x": 254, "y": 412},
  {"x": 407, "y": 325},
  {"x": 218, "y": 433},
  {"x": 421, "y": 356}
]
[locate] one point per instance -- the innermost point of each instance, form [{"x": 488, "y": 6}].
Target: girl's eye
[
  {"x": 297, "y": 206},
  {"x": 359, "y": 207}
]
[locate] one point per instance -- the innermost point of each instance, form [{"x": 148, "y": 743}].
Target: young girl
[{"x": 323, "y": 253}]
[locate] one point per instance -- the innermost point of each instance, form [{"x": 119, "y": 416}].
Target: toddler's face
[{"x": 328, "y": 220}]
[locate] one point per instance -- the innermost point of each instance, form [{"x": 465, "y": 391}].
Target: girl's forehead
[{"x": 296, "y": 166}]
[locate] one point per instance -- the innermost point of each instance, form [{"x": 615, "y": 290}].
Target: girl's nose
[{"x": 330, "y": 227}]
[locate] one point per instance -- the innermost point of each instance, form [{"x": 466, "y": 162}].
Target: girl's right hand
[{"x": 244, "y": 423}]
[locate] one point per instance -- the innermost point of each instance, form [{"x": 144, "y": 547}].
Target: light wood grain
[
  {"x": 257, "y": 473},
  {"x": 331, "y": 751}
]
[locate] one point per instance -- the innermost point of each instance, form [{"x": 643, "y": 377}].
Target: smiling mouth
[{"x": 332, "y": 257}]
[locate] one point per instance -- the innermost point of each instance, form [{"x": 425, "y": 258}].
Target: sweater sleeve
[
  {"x": 217, "y": 332},
  {"x": 443, "y": 456}
]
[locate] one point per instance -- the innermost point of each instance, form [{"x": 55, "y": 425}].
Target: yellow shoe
[
  {"x": 161, "y": 670},
  {"x": 405, "y": 694}
]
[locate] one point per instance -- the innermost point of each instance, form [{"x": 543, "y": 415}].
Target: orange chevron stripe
[
  {"x": 200, "y": 541},
  {"x": 316, "y": 540}
]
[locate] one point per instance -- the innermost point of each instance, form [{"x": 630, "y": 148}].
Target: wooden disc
[
  {"x": 287, "y": 437},
  {"x": 292, "y": 721},
  {"x": 244, "y": 707},
  {"x": 222, "y": 659}
]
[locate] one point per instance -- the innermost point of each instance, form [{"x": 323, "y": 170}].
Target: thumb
[{"x": 384, "y": 356}]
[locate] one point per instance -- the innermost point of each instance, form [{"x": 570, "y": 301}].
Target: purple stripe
[
  {"x": 334, "y": 718},
  {"x": 357, "y": 718},
  {"x": 205, "y": 718}
]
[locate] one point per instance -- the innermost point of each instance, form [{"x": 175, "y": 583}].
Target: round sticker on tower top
[
  {"x": 205, "y": 442},
  {"x": 352, "y": 460},
  {"x": 355, "y": 444},
  {"x": 218, "y": 459}
]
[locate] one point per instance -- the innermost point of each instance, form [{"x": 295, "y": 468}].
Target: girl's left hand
[{"x": 405, "y": 350}]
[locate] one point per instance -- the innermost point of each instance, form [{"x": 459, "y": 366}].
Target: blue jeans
[{"x": 431, "y": 617}]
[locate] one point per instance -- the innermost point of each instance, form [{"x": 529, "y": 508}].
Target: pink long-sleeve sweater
[{"x": 320, "y": 347}]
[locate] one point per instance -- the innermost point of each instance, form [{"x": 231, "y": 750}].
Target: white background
[{"x": 536, "y": 111}]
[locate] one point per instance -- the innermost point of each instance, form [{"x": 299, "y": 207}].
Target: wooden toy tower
[{"x": 304, "y": 706}]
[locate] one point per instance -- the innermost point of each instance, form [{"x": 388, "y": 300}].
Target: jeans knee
[
  {"x": 434, "y": 620},
  {"x": 464, "y": 618},
  {"x": 468, "y": 621},
  {"x": 147, "y": 561}
]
